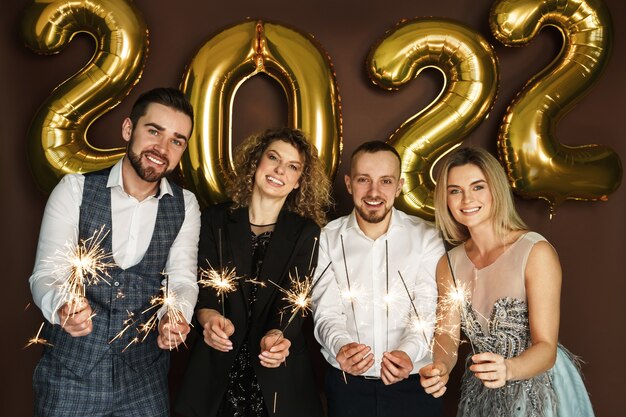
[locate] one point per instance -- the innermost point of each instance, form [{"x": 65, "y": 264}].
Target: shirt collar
[{"x": 116, "y": 180}]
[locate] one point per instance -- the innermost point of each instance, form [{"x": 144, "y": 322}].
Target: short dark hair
[
  {"x": 170, "y": 97},
  {"x": 374, "y": 146}
]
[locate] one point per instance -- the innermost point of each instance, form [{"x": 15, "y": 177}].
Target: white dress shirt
[
  {"x": 378, "y": 313},
  {"x": 133, "y": 224}
]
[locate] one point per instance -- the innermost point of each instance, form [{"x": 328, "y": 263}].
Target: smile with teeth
[
  {"x": 470, "y": 210},
  {"x": 373, "y": 203},
  {"x": 274, "y": 180},
  {"x": 154, "y": 159}
]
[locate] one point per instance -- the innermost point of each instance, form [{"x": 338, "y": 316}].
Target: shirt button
[{"x": 117, "y": 284}]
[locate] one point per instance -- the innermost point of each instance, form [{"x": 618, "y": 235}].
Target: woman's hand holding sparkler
[
  {"x": 172, "y": 332},
  {"x": 75, "y": 317},
  {"x": 395, "y": 367},
  {"x": 434, "y": 378},
  {"x": 355, "y": 358},
  {"x": 491, "y": 369},
  {"x": 217, "y": 329},
  {"x": 274, "y": 349}
]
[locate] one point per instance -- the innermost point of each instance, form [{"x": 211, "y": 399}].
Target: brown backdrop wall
[{"x": 590, "y": 236}]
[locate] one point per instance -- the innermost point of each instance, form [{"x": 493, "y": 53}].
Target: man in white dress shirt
[
  {"x": 382, "y": 269},
  {"x": 151, "y": 227}
]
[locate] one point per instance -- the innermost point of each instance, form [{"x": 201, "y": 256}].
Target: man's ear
[
  {"x": 127, "y": 129},
  {"x": 400, "y": 185},
  {"x": 346, "y": 178}
]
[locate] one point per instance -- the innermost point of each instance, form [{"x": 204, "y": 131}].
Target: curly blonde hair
[{"x": 310, "y": 200}]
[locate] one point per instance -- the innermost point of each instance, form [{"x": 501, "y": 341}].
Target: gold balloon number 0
[
  {"x": 225, "y": 62},
  {"x": 537, "y": 165},
  {"x": 57, "y": 143},
  {"x": 469, "y": 66}
]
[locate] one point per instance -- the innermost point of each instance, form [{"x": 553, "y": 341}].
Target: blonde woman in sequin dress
[{"x": 511, "y": 281}]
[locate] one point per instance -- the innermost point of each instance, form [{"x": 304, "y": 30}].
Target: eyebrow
[
  {"x": 281, "y": 157},
  {"x": 161, "y": 129},
  {"x": 471, "y": 183}
]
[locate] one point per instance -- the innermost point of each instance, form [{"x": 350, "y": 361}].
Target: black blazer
[{"x": 289, "y": 249}]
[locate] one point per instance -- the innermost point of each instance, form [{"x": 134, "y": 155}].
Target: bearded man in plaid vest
[{"x": 151, "y": 228}]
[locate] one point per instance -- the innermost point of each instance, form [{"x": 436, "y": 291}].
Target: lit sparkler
[
  {"x": 298, "y": 296},
  {"x": 350, "y": 293},
  {"x": 173, "y": 309},
  {"x": 79, "y": 265},
  {"x": 417, "y": 322},
  {"x": 38, "y": 340},
  {"x": 223, "y": 281},
  {"x": 457, "y": 298}
]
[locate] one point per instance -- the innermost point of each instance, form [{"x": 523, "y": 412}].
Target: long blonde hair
[
  {"x": 311, "y": 199},
  {"x": 504, "y": 214}
]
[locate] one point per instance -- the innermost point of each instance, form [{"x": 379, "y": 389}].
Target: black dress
[{"x": 243, "y": 397}]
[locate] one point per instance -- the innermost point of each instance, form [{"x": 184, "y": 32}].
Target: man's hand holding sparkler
[
  {"x": 355, "y": 358},
  {"x": 274, "y": 349},
  {"x": 396, "y": 366},
  {"x": 434, "y": 378},
  {"x": 217, "y": 329},
  {"x": 172, "y": 332},
  {"x": 75, "y": 317}
]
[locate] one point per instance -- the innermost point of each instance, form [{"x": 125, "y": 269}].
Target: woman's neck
[{"x": 264, "y": 211}]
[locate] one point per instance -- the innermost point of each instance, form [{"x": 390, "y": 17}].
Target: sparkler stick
[
  {"x": 298, "y": 298},
  {"x": 79, "y": 265},
  {"x": 345, "y": 264},
  {"x": 417, "y": 314},
  {"x": 173, "y": 307},
  {"x": 459, "y": 297},
  {"x": 387, "y": 292},
  {"x": 222, "y": 281}
]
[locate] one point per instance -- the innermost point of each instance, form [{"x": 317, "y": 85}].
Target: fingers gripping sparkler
[
  {"x": 80, "y": 265},
  {"x": 173, "y": 309},
  {"x": 298, "y": 297}
]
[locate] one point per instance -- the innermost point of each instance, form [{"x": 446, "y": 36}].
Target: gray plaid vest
[{"x": 130, "y": 291}]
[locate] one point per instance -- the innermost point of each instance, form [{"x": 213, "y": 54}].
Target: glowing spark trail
[{"x": 77, "y": 266}]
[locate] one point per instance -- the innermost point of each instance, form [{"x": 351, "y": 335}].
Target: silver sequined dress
[{"x": 496, "y": 320}]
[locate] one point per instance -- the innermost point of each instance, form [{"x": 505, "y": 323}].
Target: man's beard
[
  {"x": 372, "y": 217},
  {"x": 148, "y": 174}
]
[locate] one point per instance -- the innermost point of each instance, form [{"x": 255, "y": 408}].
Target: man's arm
[
  {"x": 181, "y": 272},
  {"x": 59, "y": 230}
]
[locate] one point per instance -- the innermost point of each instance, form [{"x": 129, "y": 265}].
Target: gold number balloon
[
  {"x": 537, "y": 165},
  {"x": 225, "y": 62},
  {"x": 57, "y": 143},
  {"x": 470, "y": 71}
]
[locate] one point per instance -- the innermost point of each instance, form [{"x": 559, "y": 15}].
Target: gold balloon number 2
[
  {"x": 57, "y": 143},
  {"x": 469, "y": 66},
  {"x": 538, "y": 166}
]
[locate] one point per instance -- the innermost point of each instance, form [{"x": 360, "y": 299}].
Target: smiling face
[
  {"x": 157, "y": 141},
  {"x": 469, "y": 197},
  {"x": 374, "y": 183},
  {"x": 278, "y": 171}
]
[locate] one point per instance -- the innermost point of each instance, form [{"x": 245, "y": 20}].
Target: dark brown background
[{"x": 590, "y": 236}]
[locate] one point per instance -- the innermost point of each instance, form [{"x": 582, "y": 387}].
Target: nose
[
  {"x": 279, "y": 168},
  {"x": 467, "y": 196}
]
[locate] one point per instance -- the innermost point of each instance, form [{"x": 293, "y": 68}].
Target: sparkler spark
[
  {"x": 38, "y": 340},
  {"x": 222, "y": 281},
  {"x": 79, "y": 265},
  {"x": 173, "y": 309}
]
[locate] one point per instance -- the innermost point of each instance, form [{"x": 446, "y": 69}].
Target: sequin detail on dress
[{"x": 243, "y": 397}]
